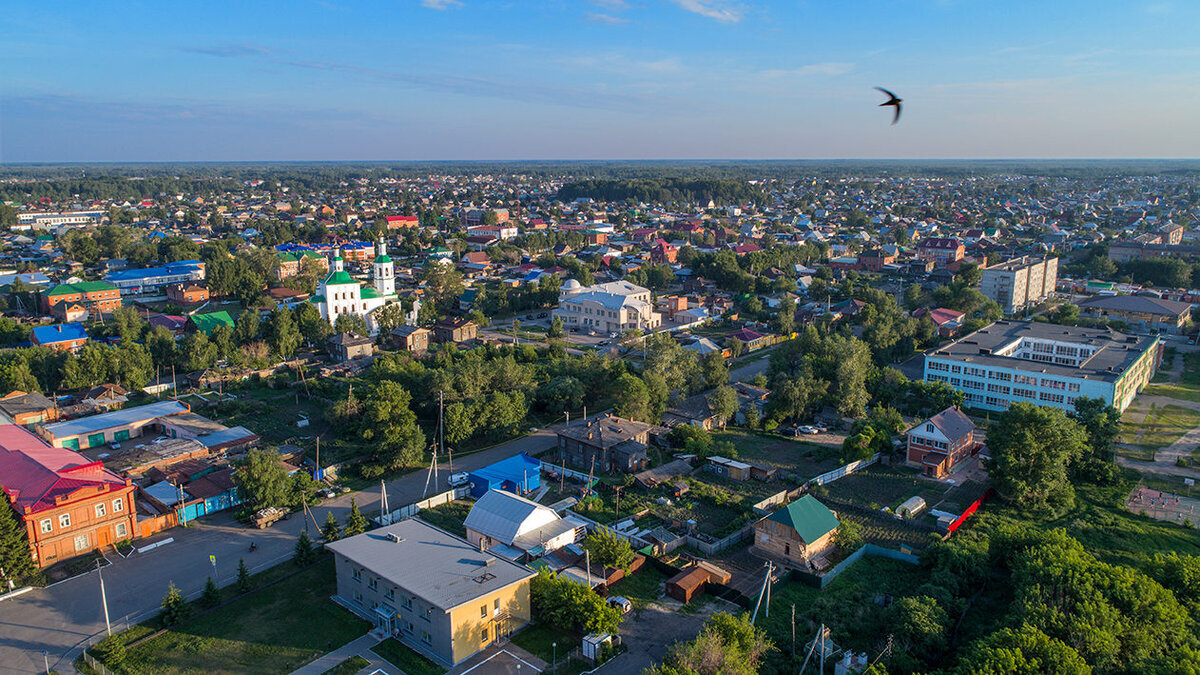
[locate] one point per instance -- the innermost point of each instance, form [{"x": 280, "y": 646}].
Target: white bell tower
[{"x": 384, "y": 270}]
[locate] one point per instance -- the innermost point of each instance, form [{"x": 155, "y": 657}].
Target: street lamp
[
  {"x": 554, "y": 663},
  {"x": 46, "y": 661},
  {"x": 103, "y": 598}
]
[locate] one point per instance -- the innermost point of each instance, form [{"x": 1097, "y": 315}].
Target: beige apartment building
[
  {"x": 614, "y": 307},
  {"x": 1020, "y": 282},
  {"x": 430, "y": 589}
]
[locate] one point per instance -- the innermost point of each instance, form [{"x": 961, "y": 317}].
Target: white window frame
[
  {"x": 118, "y": 505},
  {"x": 101, "y": 510},
  {"x": 47, "y": 525},
  {"x": 121, "y": 530},
  {"x": 64, "y": 520},
  {"x": 86, "y": 542}
]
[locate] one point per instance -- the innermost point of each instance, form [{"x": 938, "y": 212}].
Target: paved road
[{"x": 60, "y": 617}]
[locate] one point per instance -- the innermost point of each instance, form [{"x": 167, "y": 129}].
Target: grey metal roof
[
  {"x": 1116, "y": 351},
  {"x": 1136, "y": 303},
  {"x": 953, "y": 423},
  {"x": 507, "y": 517},
  {"x": 116, "y": 418},
  {"x": 433, "y": 564}
]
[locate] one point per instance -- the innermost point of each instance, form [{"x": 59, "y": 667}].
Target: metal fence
[
  {"x": 432, "y": 502},
  {"x": 841, "y": 471}
]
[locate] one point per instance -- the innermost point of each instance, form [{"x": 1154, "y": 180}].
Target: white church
[{"x": 340, "y": 294}]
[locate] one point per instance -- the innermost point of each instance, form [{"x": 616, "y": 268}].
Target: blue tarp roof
[
  {"x": 181, "y": 267},
  {"x": 521, "y": 470},
  {"x": 45, "y": 335}
]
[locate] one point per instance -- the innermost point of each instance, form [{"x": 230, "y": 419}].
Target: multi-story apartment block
[
  {"x": 1020, "y": 282},
  {"x": 614, "y": 307},
  {"x": 1044, "y": 364},
  {"x": 69, "y": 504},
  {"x": 433, "y": 591}
]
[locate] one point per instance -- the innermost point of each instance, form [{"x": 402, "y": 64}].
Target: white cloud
[
  {"x": 829, "y": 68},
  {"x": 615, "y": 5},
  {"x": 606, "y": 19},
  {"x": 440, "y": 4},
  {"x": 717, "y": 10}
]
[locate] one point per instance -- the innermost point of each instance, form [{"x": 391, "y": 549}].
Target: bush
[{"x": 110, "y": 651}]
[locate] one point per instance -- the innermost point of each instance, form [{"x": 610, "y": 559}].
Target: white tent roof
[{"x": 504, "y": 516}]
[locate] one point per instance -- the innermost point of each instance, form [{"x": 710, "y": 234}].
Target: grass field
[
  {"x": 449, "y": 516},
  {"x": 539, "y": 640},
  {"x": 412, "y": 663},
  {"x": 879, "y": 486},
  {"x": 349, "y": 666},
  {"x": 641, "y": 588},
  {"x": 806, "y": 460},
  {"x": 274, "y": 630},
  {"x": 1162, "y": 426}
]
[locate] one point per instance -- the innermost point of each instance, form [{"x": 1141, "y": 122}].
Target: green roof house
[
  {"x": 206, "y": 323},
  {"x": 797, "y": 533}
]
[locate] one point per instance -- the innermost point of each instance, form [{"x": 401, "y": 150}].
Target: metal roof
[
  {"x": 505, "y": 517},
  {"x": 433, "y": 564},
  {"x": 116, "y": 418},
  {"x": 808, "y": 517}
]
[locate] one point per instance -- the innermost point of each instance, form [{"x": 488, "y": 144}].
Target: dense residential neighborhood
[{"x": 460, "y": 417}]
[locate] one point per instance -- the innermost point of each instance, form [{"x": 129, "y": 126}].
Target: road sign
[
  {"x": 213, "y": 559},
  {"x": 1189, "y": 481}
]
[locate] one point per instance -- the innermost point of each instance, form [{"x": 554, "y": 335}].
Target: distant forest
[
  {"x": 723, "y": 181},
  {"x": 664, "y": 191}
]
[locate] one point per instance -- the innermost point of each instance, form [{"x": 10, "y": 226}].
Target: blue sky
[{"x": 567, "y": 79}]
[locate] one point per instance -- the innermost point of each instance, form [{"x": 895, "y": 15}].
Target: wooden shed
[{"x": 685, "y": 585}]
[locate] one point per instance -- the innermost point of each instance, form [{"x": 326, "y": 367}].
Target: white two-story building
[{"x": 614, "y": 307}]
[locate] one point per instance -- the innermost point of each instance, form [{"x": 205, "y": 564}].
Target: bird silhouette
[{"x": 893, "y": 100}]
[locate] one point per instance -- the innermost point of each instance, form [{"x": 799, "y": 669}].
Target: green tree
[
  {"x": 921, "y": 623},
  {"x": 608, "y": 549},
  {"x": 714, "y": 369},
  {"x": 174, "y": 608},
  {"x": 248, "y": 327},
  {"x": 111, "y": 651},
  {"x": 198, "y": 352},
  {"x": 726, "y": 645},
  {"x": 14, "y": 547},
  {"x": 303, "y": 550},
  {"x": 244, "y": 585},
  {"x": 282, "y": 334},
  {"x": 1023, "y": 651},
  {"x": 723, "y": 403},
  {"x": 261, "y": 479},
  {"x": 211, "y": 597},
  {"x": 632, "y": 398},
  {"x": 849, "y": 536},
  {"x": 390, "y": 423},
  {"x": 556, "y": 328},
  {"x": 558, "y": 601},
  {"x": 314, "y": 328},
  {"x": 356, "y": 522},
  {"x": 1101, "y": 422},
  {"x": 459, "y": 422},
  {"x": 330, "y": 531},
  {"x": 1031, "y": 447}
]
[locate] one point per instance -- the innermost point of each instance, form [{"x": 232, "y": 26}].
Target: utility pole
[
  {"x": 383, "y": 503},
  {"x": 793, "y": 630},
  {"x": 103, "y": 600}
]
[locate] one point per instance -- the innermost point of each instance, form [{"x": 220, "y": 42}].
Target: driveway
[
  {"x": 649, "y": 632},
  {"x": 60, "y": 617}
]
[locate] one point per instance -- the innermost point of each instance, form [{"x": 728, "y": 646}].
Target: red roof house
[{"x": 69, "y": 504}]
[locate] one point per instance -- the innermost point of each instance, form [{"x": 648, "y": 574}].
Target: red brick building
[
  {"x": 936, "y": 445},
  {"x": 401, "y": 222},
  {"x": 187, "y": 293},
  {"x": 94, "y": 296},
  {"x": 941, "y": 250},
  {"x": 663, "y": 252},
  {"x": 69, "y": 504}
]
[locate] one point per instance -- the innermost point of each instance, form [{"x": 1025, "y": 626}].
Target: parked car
[
  {"x": 808, "y": 429},
  {"x": 543, "y": 315},
  {"x": 622, "y": 604},
  {"x": 458, "y": 479}
]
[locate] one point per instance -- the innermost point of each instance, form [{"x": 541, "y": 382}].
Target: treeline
[{"x": 664, "y": 191}]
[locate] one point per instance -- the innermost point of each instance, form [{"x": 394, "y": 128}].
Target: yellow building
[{"x": 431, "y": 590}]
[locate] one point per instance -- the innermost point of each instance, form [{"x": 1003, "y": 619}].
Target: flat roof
[
  {"x": 433, "y": 564},
  {"x": 116, "y": 418},
  {"x": 1116, "y": 351}
]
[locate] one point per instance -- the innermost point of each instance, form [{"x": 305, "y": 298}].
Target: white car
[
  {"x": 622, "y": 604},
  {"x": 458, "y": 479},
  {"x": 808, "y": 429}
]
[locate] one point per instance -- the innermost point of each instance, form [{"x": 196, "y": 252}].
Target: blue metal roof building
[
  {"x": 63, "y": 332},
  {"x": 518, "y": 474}
]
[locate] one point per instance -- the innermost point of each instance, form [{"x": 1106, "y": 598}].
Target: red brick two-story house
[
  {"x": 69, "y": 504},
  {"x": 936, "y": 445}
]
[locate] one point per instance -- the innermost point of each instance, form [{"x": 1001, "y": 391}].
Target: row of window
[{"x": 64, "y": 519}]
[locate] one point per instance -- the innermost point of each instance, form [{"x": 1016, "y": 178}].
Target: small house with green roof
[
  {"x": 796, "y": 533},
  {"x": 207, "y": 323}
]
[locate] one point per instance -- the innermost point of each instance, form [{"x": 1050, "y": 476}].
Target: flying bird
[{"x": 892, "y": 100}]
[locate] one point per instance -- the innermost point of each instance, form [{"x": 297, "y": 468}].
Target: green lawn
[
  {"x": 349, "y": 666},
  {"x": 1162, "y": 426},
  {"x": 643, "y": 587},
  {"x": 274, "y": 630},
  {"x": 1181, "y": 391},
  {"x": 449, "y": 516},
  {"x": 539, "y": 640},
  {"x": 412, "y": 663}
]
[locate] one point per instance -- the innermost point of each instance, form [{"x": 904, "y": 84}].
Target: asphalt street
[{"x": 61, "y": 617}]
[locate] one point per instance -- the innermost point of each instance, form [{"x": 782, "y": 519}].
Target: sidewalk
[{"x": 340, "y": 654}]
